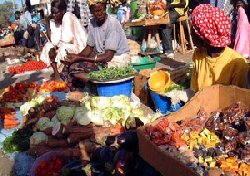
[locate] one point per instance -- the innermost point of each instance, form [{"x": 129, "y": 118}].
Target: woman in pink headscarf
[
  {"x": 242, "y": 37},
  {"x": 214, "y": 62}
]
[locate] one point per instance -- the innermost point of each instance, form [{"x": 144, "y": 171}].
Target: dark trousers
[
  {"x": 18, "y": 36},
  {"x": 166, "y": 32}
]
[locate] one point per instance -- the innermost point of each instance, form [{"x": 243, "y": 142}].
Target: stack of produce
[
  {"x": 112, "y": 73},
  {"x": 60, "y": 125},
  {"x": 53, "y": 86},
  {"x": 28, "y": 66},
  {"x": 219, "y": 141},
  {"x": 8, "y": 118},
  {"x": 17, "y": 94}
]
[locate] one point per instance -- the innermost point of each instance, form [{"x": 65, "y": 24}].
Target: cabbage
[
  {"x": 33, "y": 103},
  {"x": 135, "y": 104},
  {"x": 43, "y": 123},
  {"x": 137, "y": 113},
  {"x": 100, "y": 102},
  {"x": 64, "y": 114},
  {"x": 130, "y": 122},
  {"x": 120, "y": 101},
  {"x": 113, "y": 115},
  {"x": 81, "y": 116},
  {"x": 39, "y": 99},
  {"x": 38, "y": 138},
  {"x": 24, "y": 109},
  {"x": 96, "y": 118}
]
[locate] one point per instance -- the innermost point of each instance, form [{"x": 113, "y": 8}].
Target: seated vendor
[
  {"x": 106, "y": 46},
  {"x": 65, "y": 35},
  {"x": 214, "y": 61}
]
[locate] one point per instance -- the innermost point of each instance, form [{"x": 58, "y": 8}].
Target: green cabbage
[
  {"x": 96, "y": 118},
  {"x": 64, "y": 114},
  {"x": 24, "y": 109},
  {"x": 81, "y": 116},
  {"x": 38, "y": 138},
  {"x": 43, "y": 123},
  {"x": 37, "y": 101}
]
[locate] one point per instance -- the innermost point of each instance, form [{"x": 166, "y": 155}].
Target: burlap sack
[{"x": 7, "y": 40}]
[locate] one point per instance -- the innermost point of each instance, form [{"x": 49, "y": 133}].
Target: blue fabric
[{"x": 12, "y": 18}]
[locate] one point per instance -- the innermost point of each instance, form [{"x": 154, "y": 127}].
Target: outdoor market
[{"x": 125, "y": 88}]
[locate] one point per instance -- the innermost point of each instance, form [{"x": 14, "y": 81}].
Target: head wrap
[
  {"x": 93, "y": 2},
  {"x": 211, "y": 24}
]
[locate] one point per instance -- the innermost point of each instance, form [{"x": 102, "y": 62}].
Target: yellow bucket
[{"x": 159, "y": 81}]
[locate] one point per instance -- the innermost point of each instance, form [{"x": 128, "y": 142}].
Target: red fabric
[{"x": 211, "y": 23}]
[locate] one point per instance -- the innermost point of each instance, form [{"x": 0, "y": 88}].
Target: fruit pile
[{"x": 28, "y": 66}]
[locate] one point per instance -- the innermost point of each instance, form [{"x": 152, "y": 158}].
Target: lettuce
[
  {"x": 100, "y": 102},
  {"x": 113, "y": 115},
  {"x": 120, "y": 101}
]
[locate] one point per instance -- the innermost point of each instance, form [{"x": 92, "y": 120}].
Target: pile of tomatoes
[
  {"x": 51, "y": 167},
  {"x": 28, "y": 66}
]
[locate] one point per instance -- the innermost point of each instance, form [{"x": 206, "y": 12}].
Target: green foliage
[{"x": 6, "y": 9}]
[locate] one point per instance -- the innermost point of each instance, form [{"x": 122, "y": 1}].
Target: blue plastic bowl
[{"x": 114, "y": 89}]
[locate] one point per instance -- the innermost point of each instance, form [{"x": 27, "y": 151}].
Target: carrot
[
  {"x": 117, "y": 129},
  {"x": 10, "y": 126},
  {"x": 8, "y": 122},
  {"x": 9, "y": 117}
]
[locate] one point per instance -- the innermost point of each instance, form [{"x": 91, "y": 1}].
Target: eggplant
[
  {"x": 96, "y": 155},
  {"x": 110, "y": 140},
  {"x": 124, "y": 162},
  {"x": 73, "y": 168},
  {"x": 128, "y": 140}
]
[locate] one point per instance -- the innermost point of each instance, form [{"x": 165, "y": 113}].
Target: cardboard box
[{"x": 211, "y": 99}]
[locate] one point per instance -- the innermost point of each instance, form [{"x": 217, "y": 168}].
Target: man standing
[{"x": 176, "y": 9}]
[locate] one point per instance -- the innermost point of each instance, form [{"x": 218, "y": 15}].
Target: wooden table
[{"x": 151, "y": 26}]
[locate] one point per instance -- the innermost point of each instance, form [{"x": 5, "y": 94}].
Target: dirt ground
[{"x": 6, "y": 165}]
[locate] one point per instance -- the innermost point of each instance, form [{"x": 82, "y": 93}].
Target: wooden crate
[{"x": 222, "y": 96}]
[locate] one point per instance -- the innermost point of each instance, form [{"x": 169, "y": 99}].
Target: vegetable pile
[
  {"x": 20, "y": 92},
  {"x": 28, "y": 66},
  {"x": 8, "y": 118},
  {"x": 219, "y": 141},
  {"x": 112, "y": 73},
  {"x": 18, "y": 141},
  {"x": 53, "y": 86},
  {"x": 51, "y": 167}
]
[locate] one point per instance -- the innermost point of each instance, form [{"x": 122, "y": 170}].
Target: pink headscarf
[{"x": 211, "y": 23}]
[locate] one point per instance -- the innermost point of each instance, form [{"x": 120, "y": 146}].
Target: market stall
[{"x": 209, "y": 135}]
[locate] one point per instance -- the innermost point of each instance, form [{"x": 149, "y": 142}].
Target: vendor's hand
[
  {"x": 71, "y": 58},
  {"x": 52, "y": 54}
]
